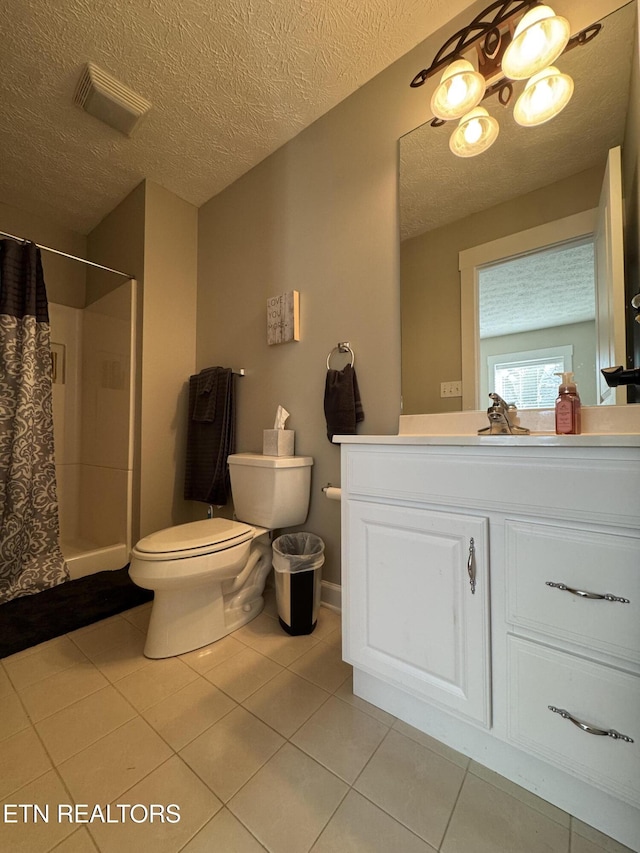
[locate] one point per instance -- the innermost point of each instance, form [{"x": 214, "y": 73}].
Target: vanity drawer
[
  {"x": 598, "y": 563},
  {"x": 543, "y": 482},
  {"x": 599, "y": 696}
]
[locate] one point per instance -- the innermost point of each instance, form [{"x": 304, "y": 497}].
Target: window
[{"x": 528, "y": 379}]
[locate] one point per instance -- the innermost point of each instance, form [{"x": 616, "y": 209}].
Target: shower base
[{"x": 84, "y": 558}]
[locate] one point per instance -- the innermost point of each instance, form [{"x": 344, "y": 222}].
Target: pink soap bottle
[{"x": 567, "y": 407}]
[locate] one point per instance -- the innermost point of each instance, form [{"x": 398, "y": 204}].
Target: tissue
[
  {"x": 279, "y": 441},
  {"x": 281, "y": 417}
]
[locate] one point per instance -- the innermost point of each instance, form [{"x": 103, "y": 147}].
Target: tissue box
[{"x": 278, "y": 442}]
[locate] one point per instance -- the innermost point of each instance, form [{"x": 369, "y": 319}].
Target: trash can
[{"x": 298, "y": 560}]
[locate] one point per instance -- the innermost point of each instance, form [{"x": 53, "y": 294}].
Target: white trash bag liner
[{"x": 297, "y": 552}]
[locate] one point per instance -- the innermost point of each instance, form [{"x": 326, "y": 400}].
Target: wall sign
[{"x": 283, "y": 318}]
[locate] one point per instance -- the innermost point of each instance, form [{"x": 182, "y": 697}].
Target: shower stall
[{"x": 93, "y": 362}]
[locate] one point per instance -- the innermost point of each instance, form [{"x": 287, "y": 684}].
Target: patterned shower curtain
[{"x": 30, "y": 556}]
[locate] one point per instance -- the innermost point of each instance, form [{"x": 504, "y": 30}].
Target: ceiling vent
[{"x": 104, "y": 97}]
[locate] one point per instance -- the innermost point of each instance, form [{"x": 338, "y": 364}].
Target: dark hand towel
[
  {"x": 204, "y": 409},
  {"x": 342, "y": 404}
]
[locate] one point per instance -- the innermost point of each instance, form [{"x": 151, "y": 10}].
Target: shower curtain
[{"x": 30, "y": 556}]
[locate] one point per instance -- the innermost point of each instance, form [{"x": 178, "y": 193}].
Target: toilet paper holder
[{"x": 331, "y": 492}]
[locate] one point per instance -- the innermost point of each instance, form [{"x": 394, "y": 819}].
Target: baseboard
[{"x": 331, "y": 596}]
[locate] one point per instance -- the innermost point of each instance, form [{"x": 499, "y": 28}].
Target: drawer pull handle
[
  {"x": 590, "y": 730},
  {"x": 471, "y": 565},
  {"x": 606, "y": 597}
]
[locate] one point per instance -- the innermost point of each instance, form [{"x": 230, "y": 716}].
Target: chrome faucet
[{"x": 502, "y": 417}]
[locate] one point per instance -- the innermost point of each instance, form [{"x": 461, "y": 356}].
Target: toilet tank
[{"x": 270, "y": 491}]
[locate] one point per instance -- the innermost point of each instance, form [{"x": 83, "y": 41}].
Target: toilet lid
[{"x": 212, "y": 534}]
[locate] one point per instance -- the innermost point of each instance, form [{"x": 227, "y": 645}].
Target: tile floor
[{"x": 257, "y": 739}]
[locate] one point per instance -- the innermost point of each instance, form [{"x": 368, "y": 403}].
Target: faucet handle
[{"x": 498, "y": 401}]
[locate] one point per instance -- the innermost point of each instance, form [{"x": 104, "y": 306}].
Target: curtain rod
[{"x": 65, "y": 255}]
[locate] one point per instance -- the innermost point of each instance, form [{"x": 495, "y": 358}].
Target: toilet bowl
[{"x": 208, "y": 576}]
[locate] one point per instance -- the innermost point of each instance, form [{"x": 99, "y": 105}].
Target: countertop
[{"x": 535, "y": 440}]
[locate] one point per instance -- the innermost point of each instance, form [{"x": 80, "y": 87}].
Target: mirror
[{"x": 530, "y": 177}]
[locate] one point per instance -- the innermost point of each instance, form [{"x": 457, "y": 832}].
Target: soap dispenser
[{"x": 567, "y": 406}]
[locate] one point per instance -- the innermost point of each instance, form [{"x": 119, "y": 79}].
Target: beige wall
[
  {"x": 431, "y": 338},
  {"x": 65, "y": 279},
  {"x": 153, "y": 235}
]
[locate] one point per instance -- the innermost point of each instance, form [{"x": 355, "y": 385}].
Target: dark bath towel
[
  {"x": 210, "y": 435},
  {"x": 342, "y": 404}
]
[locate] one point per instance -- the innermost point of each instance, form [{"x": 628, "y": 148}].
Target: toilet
[{"x": 208, "y": 576}]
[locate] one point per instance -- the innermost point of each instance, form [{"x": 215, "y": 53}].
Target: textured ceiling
[
  {"x": 437, "y": 188},
  {"x": 230, "y": 81},
  {"x": 553, "y": 287}
]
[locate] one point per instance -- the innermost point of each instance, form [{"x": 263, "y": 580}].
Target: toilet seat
[{"x": 194, "y": 539}]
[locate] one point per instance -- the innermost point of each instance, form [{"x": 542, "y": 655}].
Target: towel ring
[{"x": 342, "y": 347}]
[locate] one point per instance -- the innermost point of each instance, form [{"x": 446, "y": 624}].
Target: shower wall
[{"x": 93, "y": 361}]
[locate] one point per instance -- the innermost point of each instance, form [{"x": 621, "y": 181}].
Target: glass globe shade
[
  {"x": 545, "y": 95},
  {"x": 476, "y": 132},
  {"x": 461, "y": 88},
  {"x": 539, "y": 39}
]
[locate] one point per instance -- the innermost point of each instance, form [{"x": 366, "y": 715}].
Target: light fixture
[
  {"x": 475, "y": 132},
  {"x": 461, "y": 88},
  {"x": 545, "y": 95},
  {"x": 539, "y": 39},
  {"x": 513, "y": 40}
]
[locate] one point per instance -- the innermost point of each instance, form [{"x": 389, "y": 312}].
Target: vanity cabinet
[
  {"x": 536, "y": 671},
  {"x": 419, "y": 606}
]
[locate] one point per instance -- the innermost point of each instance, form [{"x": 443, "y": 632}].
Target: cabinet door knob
[
  {"x": 471, "y": 565},
  {"x": 607, "y": 596},
  {"x": 590, "y": 730}
]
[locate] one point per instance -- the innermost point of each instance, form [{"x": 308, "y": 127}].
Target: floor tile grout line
[
  {"x": 213, "y": 817},
  {"x": 393, "y": 817},
  {"x": 30, "y": 650},
  {"x": 204, "y": 671},
  {"x": 50, "y": 675},
  {"x": 280, "y": 748},
  {"x": 93, "y": 742},
  {"x": 446, "y": 829},
  {"x": 195, "y": 737},
  {"x": 331, "y": 816},
  {"x": 140, "y": 710},
  {"x": 94, "y": 848},
  {"x": 515, "y": 796},
  {"x": 121, "y": 795},
  {"x": 107, "y": 648},
  {"x": 54, "y": 768}
]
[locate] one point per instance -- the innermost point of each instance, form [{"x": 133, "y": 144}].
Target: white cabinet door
[{"x": 414, "y": 616}]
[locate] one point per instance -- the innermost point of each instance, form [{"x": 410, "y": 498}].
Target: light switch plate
[{"x": 451, "y": 389}]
